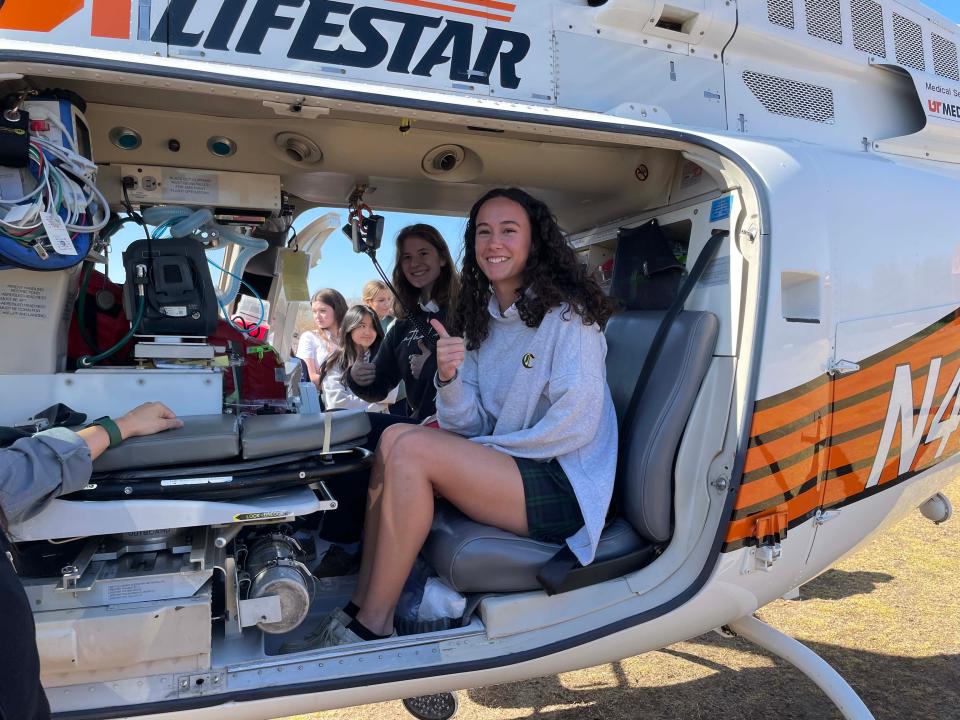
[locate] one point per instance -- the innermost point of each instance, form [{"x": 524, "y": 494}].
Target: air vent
[
  {"x": 945, "y": 57},
  {"x": 780, "y": 12},
  {"x": 823, "y": 20},
  {"x": 868, "y": 27},
  {"x": 909, "y": 42},
  {"x": 791, "y": 98}
]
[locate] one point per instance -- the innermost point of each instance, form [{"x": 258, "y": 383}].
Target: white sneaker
[{"x": 340, "y": 634}]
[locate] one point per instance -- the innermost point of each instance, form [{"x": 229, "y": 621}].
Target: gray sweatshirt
[
  {"x": 542, "y": 393},
  {"x": 36, "y": 469}
]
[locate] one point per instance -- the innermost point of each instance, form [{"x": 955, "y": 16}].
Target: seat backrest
[{"x": 645, "y": 474}]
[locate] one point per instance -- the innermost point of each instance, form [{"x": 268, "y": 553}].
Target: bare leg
[
  {"x": 371, "y": 523},
  {"x": 483, "y": 483}
]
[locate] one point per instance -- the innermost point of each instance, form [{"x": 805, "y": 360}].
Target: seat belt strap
[
  {"x": 660, "y": 337},
  {"x": 327, "y": 426}
]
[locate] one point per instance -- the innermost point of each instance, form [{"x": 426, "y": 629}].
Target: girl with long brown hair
[
  {"x": 360, "y": 338},
  {"x": 328, "y": 307},
  {"x": 428, "y": 286}
]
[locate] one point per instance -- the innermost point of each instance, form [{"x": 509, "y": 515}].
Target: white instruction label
[
  {"x": 135, "y": 590},
  {"x": 24, "y": 301},
  {"x": 717, "y": 273},
  {"x": 196, "y": 481},
  {"x": 199, "y": 188},
  {"x": 57, "y": 233},
  {"x": 11, "y": 184}
]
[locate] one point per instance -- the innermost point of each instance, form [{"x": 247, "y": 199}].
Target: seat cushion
[
  {"x": 266, "y": 435},
  {"x": 471, "y": 557},
  {"x": 202, "y": 439}
]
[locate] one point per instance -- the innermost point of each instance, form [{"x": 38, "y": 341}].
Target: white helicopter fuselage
[{"x": 826, "y": 142}]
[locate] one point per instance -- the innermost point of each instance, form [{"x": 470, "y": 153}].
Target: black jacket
[
  {"x": 21, "y": 695},
  {"x": 393, "y": 365}
]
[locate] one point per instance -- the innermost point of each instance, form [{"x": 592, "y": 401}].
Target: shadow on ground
[
  {"x": 839, "y": 584},
  {"x": 752, "y": 693}
]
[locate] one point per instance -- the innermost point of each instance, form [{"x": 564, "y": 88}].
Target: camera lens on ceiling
[{"x": 446, "y": 161}]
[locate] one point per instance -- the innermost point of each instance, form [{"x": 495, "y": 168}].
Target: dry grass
[{"x": 887, "y": 618}]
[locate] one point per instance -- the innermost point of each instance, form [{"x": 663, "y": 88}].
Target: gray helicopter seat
[{"x": 472, "y": 557}]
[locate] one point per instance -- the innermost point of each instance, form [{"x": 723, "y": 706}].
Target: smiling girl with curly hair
[{"x": 528, "y": 439}]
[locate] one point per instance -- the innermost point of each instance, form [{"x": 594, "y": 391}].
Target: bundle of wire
[{"x": 65, "y": 187}]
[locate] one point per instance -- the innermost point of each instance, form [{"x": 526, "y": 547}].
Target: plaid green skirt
[{"x": 553, "y": 513}]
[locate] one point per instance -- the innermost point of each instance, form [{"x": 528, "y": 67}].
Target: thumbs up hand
[
  {"x": 417, "y": 361},
  {"x": 450, "y": 352}
]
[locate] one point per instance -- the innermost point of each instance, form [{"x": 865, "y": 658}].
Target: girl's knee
[
  {"x": 390, "y": 436},
  {"x": 410, "y": 455},
  {"x": 414, "y": 444}
]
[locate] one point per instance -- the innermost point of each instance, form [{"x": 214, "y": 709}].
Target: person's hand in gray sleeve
[
  {"x": 55, "y": 462},
  {"x": 146, "y": 419}
]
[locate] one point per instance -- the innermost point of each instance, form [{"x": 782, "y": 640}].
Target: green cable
[{"x": 90, "y": 360}]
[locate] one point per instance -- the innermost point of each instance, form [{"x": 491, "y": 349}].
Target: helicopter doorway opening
[{"x": 702, "y": 383}]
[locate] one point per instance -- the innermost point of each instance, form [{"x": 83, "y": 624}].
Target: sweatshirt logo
[{"x": 527, "y": 360}]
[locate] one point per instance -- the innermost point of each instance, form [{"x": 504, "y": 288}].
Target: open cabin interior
[{"x": 183, "y": 586}]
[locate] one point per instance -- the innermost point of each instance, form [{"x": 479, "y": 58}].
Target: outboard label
[
  {"x": 482, "y": 47},
  {"x": 330, "y": 32},
  {"x": 947, "y": 105},
  {"x": 902, "y": 411}
]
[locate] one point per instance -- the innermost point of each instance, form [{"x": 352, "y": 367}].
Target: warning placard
[
  {"x": 24, "y": 301},
  {"x": 196, "y": 187}
]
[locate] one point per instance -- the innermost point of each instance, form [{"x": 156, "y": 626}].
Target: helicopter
[{"x": 793, "y": 393}]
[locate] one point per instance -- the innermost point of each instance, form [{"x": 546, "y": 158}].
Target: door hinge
[{"x": 841, "y": 367}]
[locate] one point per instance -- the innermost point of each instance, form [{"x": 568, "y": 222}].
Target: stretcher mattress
[{"x": 208, "y": 439}]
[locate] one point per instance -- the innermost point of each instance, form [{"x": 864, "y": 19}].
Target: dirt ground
[{"x": 887, "y": 618}]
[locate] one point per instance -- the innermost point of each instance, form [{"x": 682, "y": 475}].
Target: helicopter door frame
[{"x": 533, "y": 119}]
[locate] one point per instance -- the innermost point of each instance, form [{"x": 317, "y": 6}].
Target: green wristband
[{"x": 113, "y": 430}]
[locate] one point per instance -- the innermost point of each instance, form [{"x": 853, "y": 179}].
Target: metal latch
[
  {"x": 768, "y": 531},
  {"x": 825, "y": 516},
  {"x": 841, "y": 367},
  {"x": 761, "y": 557},
  {"x": 767, "y": 555}
]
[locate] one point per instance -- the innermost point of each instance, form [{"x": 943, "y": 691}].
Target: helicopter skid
[{"x": 844, "y": 698}]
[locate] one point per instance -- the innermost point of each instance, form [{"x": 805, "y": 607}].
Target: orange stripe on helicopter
[
  {"x": 797, "y": 403},
  {"x": 840, "y": 489},
  {"x": 111, "y": 19},
  {"x": 855, "y": 430},
  {"x": 490, "y": 4},
  {"x": 36, "y": 16},
  {"x": 462, "y": 10},
  {"x": 792, "y": 467}
]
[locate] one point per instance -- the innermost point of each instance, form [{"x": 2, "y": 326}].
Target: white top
[
  {"x": 541, "y": 393},
  {"x": 336, "y": 395},
  {"x": 313, "y": 347}
]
